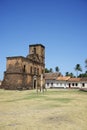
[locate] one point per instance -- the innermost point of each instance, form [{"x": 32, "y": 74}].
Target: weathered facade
[{"x": 25, "y": 72}]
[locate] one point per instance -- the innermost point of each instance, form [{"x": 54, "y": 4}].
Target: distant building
[
  {"x": 25, "y": 72},
  {"x": 74, "y": 83},
  {"x": 50, "y": 79},
  {"x": 83, "y": 82},
  {"x": 55, "y": 80},
  {"x": 61, "y": 81}
]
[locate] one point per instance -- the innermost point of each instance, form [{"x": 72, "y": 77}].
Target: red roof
[
  {"x": 59, "y": 77},
  {"x": 63, "y": 78},
  {"x": 84, "y": 79},
  {"x": 74, "y": 79},
  {"x": 51, "y": 76}
]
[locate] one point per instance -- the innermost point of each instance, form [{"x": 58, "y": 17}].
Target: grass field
[{"x": 54, "y": 110}]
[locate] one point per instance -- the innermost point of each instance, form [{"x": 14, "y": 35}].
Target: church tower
[{"x": 38, "y": 50}]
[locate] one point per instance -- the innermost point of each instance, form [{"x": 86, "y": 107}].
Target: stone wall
[{"x": 20, "y": 71}]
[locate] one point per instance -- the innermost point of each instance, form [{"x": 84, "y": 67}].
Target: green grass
[
  {"x": 55, "y": 109},
  {"x": 33, "y": 95}
]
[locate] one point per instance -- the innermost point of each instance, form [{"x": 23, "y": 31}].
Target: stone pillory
[{"x": 25, "y": 72}]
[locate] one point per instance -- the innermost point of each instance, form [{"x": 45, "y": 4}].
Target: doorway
[{"x": 69, "y": 85}]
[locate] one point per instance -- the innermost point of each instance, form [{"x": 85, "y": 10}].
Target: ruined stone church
[{"x": 25, "y": 72}]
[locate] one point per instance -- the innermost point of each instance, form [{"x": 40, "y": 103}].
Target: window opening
[
  {"x": 76, "y": 84},
  {"x": 72, "y": 84},
  {"x": 34, "y": 50},
  {"x": 83, "y": 84},
  {"x": 51, "y": 84},
  {"x": 47, "y": 84},
  {"x": 24, "y": 68},
  {"x": 31, "y": 70},
  {"x": 35, "y": 70}
]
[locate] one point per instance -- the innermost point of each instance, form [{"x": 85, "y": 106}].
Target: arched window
[
  {"x": 83, "y": 84},
  {"x": 31, "y": 69},
  {"x": 35, "y": 71},
  {"x": 24, "y": 68},
  {"x": 38, "y": 71},
  {"x": 34, "y": 50}
]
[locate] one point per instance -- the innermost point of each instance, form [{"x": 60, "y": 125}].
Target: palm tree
[
  {"x": 71, "y": 75},
  {"x": 51, "y": 70},
  {"x": 57, "y": 69},
  {"x": 78, "y": 68},
  {"x": 86, "y": 63},
  {"x": 67, "y": 74}
]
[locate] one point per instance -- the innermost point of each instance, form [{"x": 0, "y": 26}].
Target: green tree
[
  {"x": 78, "y": 68},
  {"x": 57, "y": 69},
  {"x": 85, "y": 72},
  {"x": 69, "y": 74},
  {"x": 51, "y": 70},
  {"x": 86, "y": 63},
  {"x": 47, "y": 70}
]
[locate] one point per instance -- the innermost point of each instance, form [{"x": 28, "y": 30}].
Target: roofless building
[{"x": 25, "y": 72}]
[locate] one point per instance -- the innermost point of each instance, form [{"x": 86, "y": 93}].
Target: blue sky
[{"x": 60, "y": 25}]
